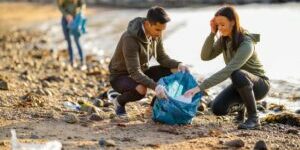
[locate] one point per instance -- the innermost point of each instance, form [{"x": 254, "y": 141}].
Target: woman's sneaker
[{"x": 252, "y": 123}]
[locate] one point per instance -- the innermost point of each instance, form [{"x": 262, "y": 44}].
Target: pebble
[
  {"x": 235, "y": 143},
  {"x": 71, "y": 118},
  {"x": 3, "y": 85},
  {"x": 34, "y": 136},
  {"x": 109, "y": 143},
  {"x": 260, "y": 145},
  {"x": 96, "y": 117},
  {"x": 202, "y": 107},
  {"x": 292, "y": 131}
]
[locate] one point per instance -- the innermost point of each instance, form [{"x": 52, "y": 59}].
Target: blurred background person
[{"x": 69, "y": 9}]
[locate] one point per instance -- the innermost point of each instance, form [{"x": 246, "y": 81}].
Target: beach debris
[
  {"x": 88, "y": 107},
  {"x": 71, "y": 106},
  {"x": 16, "y": 145},
  {"x": 283, "y": 118}
]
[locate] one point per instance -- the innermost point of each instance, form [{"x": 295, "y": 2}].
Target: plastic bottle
[{"x": 71, "y": 106}]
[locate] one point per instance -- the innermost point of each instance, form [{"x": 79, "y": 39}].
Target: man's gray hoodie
[{"x": 133, "y": 53}]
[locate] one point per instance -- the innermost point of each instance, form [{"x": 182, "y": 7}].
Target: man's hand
[
  {"x": 191, "y": 92},
  {"x": 183, "y": 68},
  {"x": 160, "y": 91}
]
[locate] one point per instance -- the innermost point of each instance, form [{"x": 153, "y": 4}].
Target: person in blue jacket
[{"x": 69, "y": 9}]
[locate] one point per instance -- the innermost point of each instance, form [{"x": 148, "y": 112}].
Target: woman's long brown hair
[{"x": 237, "y": 31}]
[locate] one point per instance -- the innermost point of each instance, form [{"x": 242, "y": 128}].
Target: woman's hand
[
  {"x": 192, "y": 92},
  {"x": 213, "y": 25},
  {"x": 160, "y": 92}
]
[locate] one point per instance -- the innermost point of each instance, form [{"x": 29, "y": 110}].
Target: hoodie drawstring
[
  {"x": 148, "y": 50},
  {"x": 155, "y": 51}
]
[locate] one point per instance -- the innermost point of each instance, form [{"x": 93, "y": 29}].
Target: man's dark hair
[{"x": 157, "y": 14}]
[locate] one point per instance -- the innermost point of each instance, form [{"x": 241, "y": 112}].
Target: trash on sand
[{"x": 16, "y": 145}]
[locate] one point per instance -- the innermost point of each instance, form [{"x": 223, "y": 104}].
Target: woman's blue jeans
[{"x": 67, "y": 35}]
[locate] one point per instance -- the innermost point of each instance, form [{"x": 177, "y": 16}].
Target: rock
[
  {"x": 48, "y": 92},
  {"x": 74, "y": 80},
  {"x": 277, "y": 108},
  {"x": 109, "y": 143},
  {"x": 3, "y": 85},
  {"x": 90, "y": 85},
  {"x": 40, "y": 91},
  {"x": 235, "y": 143},
  {"x": 112, "y": 116},
  {"x": 43, "y": 114},
  {"x": 202, "y": 107},
  {"x": 121, "y": 125},
  {"x": 168, "y": 130},
  {"x": 261, "y": 108},
  {"x": 34, "y": 136},
  {"x": 260, "y": 145},
  {"x": 71, "y": 118},
  {"x": 88, "y": 95},
  {"x": 264, "y": 104},
  {"x": 74, "y": 90},
  {"x": 98, "y": 102},
  {"x": 96, "y": 117},
  {"x": 108, "y": 109},
  {"x": 221, "y": 142},
  {"x": 199, "y": 113},
  {"x": 34, "y": 99},
  {"x": 45, "y": 84},
  {"x": 153, "y": 145},
  {"x": 107, "y": 104},
  {"x": 53, "y": 79},
  {"x": 292, "y": 131},
  {"x": 128, "y": 139},
  {"x": 2, "y": 143}
]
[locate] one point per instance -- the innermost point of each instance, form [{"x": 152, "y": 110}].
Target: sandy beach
[{"x": 36, "y": 81}]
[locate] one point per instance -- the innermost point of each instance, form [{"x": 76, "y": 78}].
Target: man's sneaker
[{"x": 120, "y": 110}]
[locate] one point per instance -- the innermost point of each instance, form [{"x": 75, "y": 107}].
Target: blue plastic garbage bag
[
  {"x": 171, "y": 110},
  {"x": 78, "y": 26}
]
